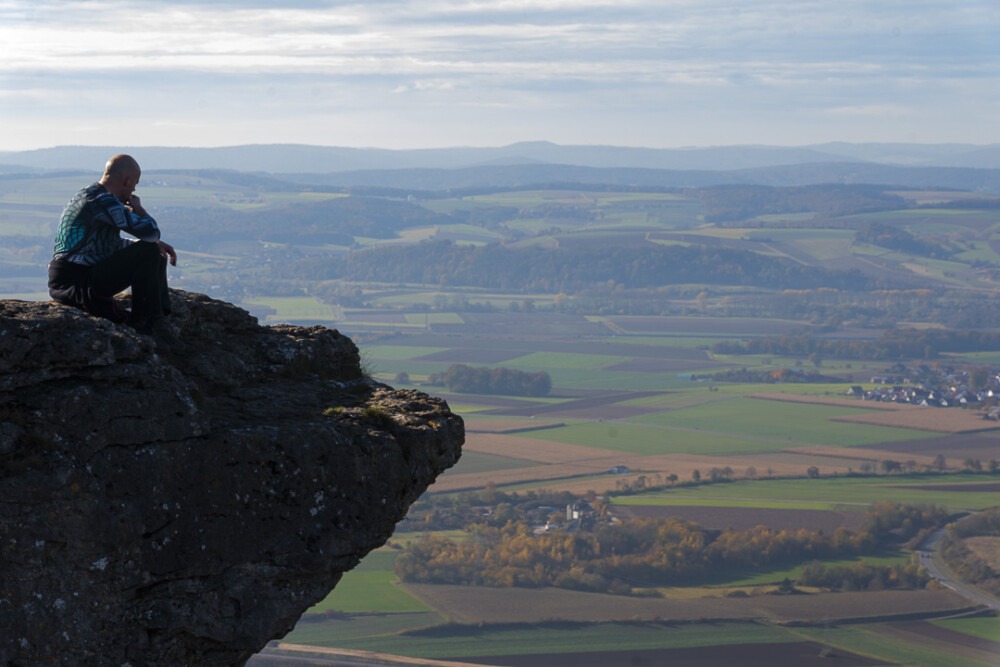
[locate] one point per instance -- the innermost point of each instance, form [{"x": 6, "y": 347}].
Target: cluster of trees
[
  {"x": 741, "y": 202},
  {"x": 573, "y": 268},
  {"x": 863, "y": 576},
  {"x": 640, "y": 553},
  {"x": 827, "y": 308},
  {"x": 383, "y": 212},
  {"x": 962, "y": 560},
  {"x": 783, "y": 375},
  {"x": 896, "y": 238},
  {"x": 507, "y": 381},
  {"x": 893, "y": 344},
  {"x": 334, "y": 221},
  {"x": 284, "y": 249}
]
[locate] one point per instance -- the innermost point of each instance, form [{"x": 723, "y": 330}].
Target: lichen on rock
[{"x": 183, "y": 498}]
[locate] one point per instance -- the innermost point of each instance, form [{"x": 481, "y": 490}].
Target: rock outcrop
[{"x": 182, "y": 498}]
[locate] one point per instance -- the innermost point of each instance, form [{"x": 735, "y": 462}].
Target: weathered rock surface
[{"x": 181, "y": 499}]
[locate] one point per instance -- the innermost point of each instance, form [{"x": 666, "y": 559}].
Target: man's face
[{"x": 129, "y": 184}]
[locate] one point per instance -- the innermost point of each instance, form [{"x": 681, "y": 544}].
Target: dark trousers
[{"x": 92, "y": 288}]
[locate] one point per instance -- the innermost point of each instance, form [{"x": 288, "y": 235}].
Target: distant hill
[
  {"x": 506, "y": 176},
  {"x": 959, "y": 166},
  {"x": 298, "y": 158}
]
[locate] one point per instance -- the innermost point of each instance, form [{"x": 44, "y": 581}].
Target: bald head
[
  {"x": 121, "y": 165},
  {"x": 121, "y": 175}
]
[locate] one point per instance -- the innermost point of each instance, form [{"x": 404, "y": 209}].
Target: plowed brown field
[
  {"x": 473, "y": 604},
  {"x": 578, "y": 469}
]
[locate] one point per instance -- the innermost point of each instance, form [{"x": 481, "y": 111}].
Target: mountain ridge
[{"x": 305, "y": 158}]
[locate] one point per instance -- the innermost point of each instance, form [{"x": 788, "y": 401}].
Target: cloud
[{"x": 242, "y": 59}]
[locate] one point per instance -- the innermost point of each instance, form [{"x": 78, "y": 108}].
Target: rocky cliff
[{"x": 182, "y": 498}]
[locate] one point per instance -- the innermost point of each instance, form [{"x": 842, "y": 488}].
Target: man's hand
[
  {"x": 134, "y": 204},
  {"x": 167, "y": 250}
]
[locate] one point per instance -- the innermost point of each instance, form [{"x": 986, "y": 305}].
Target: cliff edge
[{"x": 181, "y": 499}]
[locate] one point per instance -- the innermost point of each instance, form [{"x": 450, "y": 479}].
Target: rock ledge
[{"x": 183, "y": 498}]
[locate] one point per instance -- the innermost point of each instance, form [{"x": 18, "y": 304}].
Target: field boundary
[
  {"x": 531, "y": 429},
  {"x": 885, "y": 618},
  {"x": 527, "y": 605},
  {"x": 832, "y": 401},
  {"x": 337, "y": 656},
  {"x": 925, "y": 419}
]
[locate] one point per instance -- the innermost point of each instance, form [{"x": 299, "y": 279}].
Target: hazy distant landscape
[{"x": 771, "y": 379}]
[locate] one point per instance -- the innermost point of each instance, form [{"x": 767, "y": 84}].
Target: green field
[
  {"x": 294, "y": 308},
  {"x": 777, "y": 420},
  {"x": 676, "y": 434},
  {"x": 369, "y": 632},
  {"x": 472, "y": 462},
  {"x": 371, "y": 587},
  {"x": 557, "y": 361},
  {"x": 599, "y": 345},
  {"x": 839, "y": 492},
  {"x": 647, "y": 440},
  {"x": 551, "y": 638},
  {"x": 983, "y": 627},
  {"x": 760, "y": 578},
  {"x": 877, "y": 642},
  {"x": 399, "y": 352}
]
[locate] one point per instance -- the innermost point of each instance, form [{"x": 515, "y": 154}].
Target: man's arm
[{"x": 131, "y": 217}]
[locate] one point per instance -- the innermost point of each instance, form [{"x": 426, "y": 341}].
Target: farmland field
[
  {"x": 371, "y": 588},
  {"x": 664, "y": 439},
  {"x": 551, "y": 638},
  {"x": 622, "y": 397},
  {"x": 624, "y": 363},
  {"x": 805, "y": 423},
  {"x": 742, "y": 518},
  {"x": 473, "y": 462},
  {"x": 749, "y": 655},
  {"x": 596, "y": 621},
  {"x": 523, "y": 605},
  {"x": 297, "y": 308},
  {"x": 755, "y": 581},
  {"x": 904, "y": 644},
  {"x": 844, "y": 491}
]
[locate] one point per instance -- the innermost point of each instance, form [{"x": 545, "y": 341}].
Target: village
[{"x": 943, "y": 387}]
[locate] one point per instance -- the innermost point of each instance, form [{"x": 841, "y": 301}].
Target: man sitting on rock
[{"x": 91, "y": 262}]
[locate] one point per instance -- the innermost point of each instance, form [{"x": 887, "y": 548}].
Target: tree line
[
  {"x": 968, "y": 565},
  {"x": 571, "y": 269},
  {"x": 755, "y": 376},
  {"x": 507, "y": 381},
  {"x": 618, "y": 557},
  {"x": 741, "y": 202},
  {"x": 863, "y": 576},
  {"x": 896, "y": 238},
  {"x": 892, "y": 345}
]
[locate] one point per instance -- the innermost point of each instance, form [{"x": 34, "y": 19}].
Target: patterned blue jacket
[{"x": 90, "y": 229}]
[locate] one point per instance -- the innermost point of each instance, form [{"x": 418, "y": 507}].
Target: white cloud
[
  {"x": 871, "y": 110},
  {"x": 607, "y": 62}
]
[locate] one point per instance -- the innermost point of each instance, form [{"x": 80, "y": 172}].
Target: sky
[{"x": 443, "y": 73}]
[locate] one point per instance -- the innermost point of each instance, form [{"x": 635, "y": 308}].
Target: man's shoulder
[
  {"x": 95, "y": 190},
  {"x": 92, "y": 192}
]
